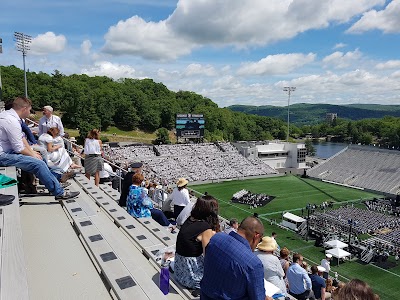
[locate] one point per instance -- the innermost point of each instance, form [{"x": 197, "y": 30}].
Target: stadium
[
  {"x": 351, "y": 196},
  {"x": 350, "y": 199}
]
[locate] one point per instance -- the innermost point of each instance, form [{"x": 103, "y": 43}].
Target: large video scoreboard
[{"x": 190, "y": 125}]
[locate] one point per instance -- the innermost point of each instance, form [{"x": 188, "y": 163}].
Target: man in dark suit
[{"x": 127, "y": 181}]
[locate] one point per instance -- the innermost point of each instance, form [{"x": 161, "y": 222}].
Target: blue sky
[{"x": 232, "y": 51}]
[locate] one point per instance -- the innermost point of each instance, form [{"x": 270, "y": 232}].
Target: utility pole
[
  {"x": 289, "y": 90},
  {"x": 22, "y": 44}
]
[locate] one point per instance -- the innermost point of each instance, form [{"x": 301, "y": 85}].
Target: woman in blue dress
[{"x": 139, "y": 204}]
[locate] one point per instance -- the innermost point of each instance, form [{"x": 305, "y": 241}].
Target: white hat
[
  {"x": 72, "y": 139},
  {"x": 48, "y": 107},
  {"x": 328, "y": 255},
  {"x": 321, "y": 269}
]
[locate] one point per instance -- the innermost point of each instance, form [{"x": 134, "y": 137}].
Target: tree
[
  {"x": 162, "y": 137},
  {"x": 310, "y": 147}
]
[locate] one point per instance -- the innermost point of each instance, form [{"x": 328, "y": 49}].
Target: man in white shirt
[
  {"x": 49, "y": 120},
  {"x": 325, "y": 263},
  {"x": 15, "y": 150}
]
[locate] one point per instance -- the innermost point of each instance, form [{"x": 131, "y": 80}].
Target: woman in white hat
[
  {"x": 273, "y": 271},
  {"x": 180, "y": 196}
]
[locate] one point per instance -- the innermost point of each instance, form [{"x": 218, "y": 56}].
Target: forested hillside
[
  {"x": 309, "y": 114},
  {"x": 99, "y": 102}
]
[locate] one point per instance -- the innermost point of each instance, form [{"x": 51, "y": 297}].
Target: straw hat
[
  {"x": 72, "y": 139},
  {"x": 182, "y": 182},
  {"x": 267, "y": 244}
]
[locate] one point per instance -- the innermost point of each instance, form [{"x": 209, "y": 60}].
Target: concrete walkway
[{"x": 58, "y": 267}]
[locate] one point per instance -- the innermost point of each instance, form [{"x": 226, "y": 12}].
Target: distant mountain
[{"x": 302, "y": 114}]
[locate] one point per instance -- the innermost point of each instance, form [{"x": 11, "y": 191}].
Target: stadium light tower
[
  {"x": 289, "y": 90},
  {"x": 22, "y": 44}
]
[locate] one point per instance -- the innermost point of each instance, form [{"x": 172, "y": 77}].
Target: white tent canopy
[
  {"x": 293, "y": 217},
  {"x": 335, "y": 244},
  {"x": 338, "y": 253}
]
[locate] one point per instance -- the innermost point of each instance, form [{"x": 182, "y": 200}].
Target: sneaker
[
  {"x": 67, "y": 195},
  {"x": 65, "y": 184}
]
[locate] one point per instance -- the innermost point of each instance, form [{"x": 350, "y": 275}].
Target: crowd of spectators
[
  {"x": 249, "y": 198},
  {"x": 196, "y": 162}
]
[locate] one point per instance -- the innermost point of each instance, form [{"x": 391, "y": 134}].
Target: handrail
[{"x": 122, "y": 171}]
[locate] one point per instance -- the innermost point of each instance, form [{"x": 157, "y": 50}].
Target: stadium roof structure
[
  {"x": 335, "y": 244},
  {"x": 293, "y": 217}
]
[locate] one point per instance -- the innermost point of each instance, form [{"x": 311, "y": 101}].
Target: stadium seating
[
  {"x": 13, "y": 277},
  {"x": 363, "y": 167},
  {"x": 196, "y": 162}
]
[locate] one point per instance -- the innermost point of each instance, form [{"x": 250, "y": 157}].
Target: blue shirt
[
  {"x": 297, "y": 277},
  {"x": 231, "y": 270},
  {"x": 317, "y": 283}
]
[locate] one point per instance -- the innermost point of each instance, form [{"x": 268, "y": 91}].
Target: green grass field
[{"x": 292, "y": 194}]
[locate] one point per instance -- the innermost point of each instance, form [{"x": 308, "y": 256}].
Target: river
[{"x": 327, "y": 149}]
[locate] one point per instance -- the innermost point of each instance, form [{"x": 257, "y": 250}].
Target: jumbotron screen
[{"x": 190, "y": 125}]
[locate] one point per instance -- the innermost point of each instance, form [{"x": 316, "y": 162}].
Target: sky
[{"x": 231, "y": 51}]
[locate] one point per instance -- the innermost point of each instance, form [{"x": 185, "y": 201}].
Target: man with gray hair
[
  {"x": 49, "y": 120},
  {"x": 15, "y": 150},
  {"x": 231, "y": 270}
]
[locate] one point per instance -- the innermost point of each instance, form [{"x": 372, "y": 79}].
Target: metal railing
[{"x": 121, "y": 170}]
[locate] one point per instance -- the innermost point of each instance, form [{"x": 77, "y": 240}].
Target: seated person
[
  {"x": 193, "y": 237},
  {"x": 139, "y": 205},
  {"x": 108, "y": 175},
  {"x": 56, "y": 151},
  {"x": 15, "y": 150}
]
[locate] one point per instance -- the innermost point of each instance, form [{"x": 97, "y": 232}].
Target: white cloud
[
  {"x": 149, "y": 40},
  {"x": 390, "y": 64},
  {"x": 238, "y": 23},
  {"x": 340, "y": 60},
  {"x": 386, "y": 20},
  {"x": 339, "y": 45},
  {"x": 276, "y": 64},
  {"x": 48, "y": 43},
  {"x": 86, "y": 46},
  {"x": 198, "y": 69},
  {"x": 115, "y": 71}
]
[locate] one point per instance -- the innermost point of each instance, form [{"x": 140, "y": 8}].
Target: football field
[{"x": 292, "y": 194}]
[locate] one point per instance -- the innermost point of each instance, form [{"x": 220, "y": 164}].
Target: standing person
[
  {"x": 325, "y": 263},
  {"x": 180, "y": 196},
  {"x": 49, "y": 120},
  {"x": 93, "y": 159},
  {"x": 273, "y": 271},
  {"x": 318, "y": 283},
  {"x": 127, "y": 181},
  {"x": 231, "y": 270},
  {"x": 193, "y": 237},
  {"x": 15, "y": 150},
  {"x": 299, "y": 281}
]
